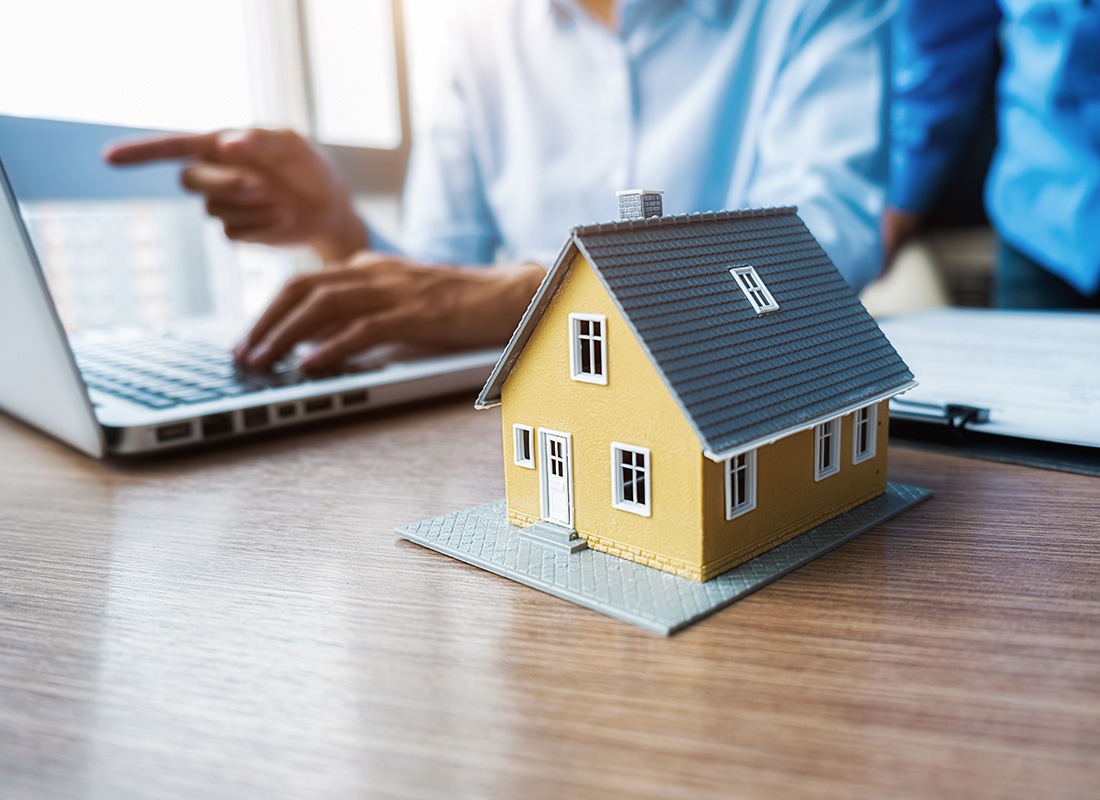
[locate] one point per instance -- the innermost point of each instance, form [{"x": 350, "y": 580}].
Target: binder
[{"x": 1014, "y": 387}]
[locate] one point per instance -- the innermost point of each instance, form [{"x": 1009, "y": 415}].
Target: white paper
[{"x": 1038, "y": 373}]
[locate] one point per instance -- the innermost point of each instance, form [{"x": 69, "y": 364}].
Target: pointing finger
[{"x": 163, "y": 148}]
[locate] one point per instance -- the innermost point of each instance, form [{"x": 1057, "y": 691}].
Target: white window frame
[
  {"x": 517, "y": 439},
  {"x": 866, "y": 416},
  {"x": 758, "y": 295},
  {"x": 617, "y": 488},
  {"x": 748, "y": 502},
  {"x": 577, "y": 341},
  {"x": 830, "y": 430}
]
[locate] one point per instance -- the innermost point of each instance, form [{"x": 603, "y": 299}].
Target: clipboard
[
  {"x": 957, "y": 439},
  {"x": 1014, "y": 387}
]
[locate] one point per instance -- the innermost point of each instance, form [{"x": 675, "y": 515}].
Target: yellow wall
[
  {"x": 687, "y": 533},
  {"x": 633, "y": 408},
  {"x": 788, "y": 500}
]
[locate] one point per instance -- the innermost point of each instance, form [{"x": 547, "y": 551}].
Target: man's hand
[
  {"x": 377, "y": 299},
  {"x": 268, "y": 186},
  {"x": 898, "y": 227}
]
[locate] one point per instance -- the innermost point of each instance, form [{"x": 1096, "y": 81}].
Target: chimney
[{"x": 640, "y": 203}]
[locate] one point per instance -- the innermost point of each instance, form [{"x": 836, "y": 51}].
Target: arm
[
  {"x": 419, "y": 299},
  {"x": 821, "y": 140},
  {"x": 943, "y": 57},
  {"x": 944, "y": 54}
]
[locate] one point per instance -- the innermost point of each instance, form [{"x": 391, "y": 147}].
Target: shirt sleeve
[
  {"x": 944, "y": 54},
  {"x": 446, "y": 216},
  {"x": 822, "y": 143}
]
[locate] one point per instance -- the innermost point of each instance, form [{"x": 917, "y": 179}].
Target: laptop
[{"x": 134, "y": 391}]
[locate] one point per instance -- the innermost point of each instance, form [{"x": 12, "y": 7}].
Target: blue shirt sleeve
[{"x": 944, "y": 53}]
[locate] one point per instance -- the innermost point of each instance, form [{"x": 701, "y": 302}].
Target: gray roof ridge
[{"x": 680, "y": 219}]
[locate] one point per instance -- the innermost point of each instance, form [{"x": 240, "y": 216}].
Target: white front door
[{"x": 557, "y": 477}]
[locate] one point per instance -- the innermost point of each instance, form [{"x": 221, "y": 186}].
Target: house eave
[{"x": 772, "y": 438}]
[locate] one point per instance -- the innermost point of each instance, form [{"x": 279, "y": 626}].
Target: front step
[{"x": 547, "y": 534}]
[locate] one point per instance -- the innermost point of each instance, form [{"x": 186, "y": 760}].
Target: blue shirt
[
  {"x": 1043, "y": 190},
  {"x": 545, "y": 113}
]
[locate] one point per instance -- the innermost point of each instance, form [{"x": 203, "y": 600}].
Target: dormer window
[
  {"x": 588, "y": 348},
  {"x": 754, "y": 289}
]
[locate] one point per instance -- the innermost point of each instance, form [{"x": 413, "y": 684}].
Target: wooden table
[{"x": 243, "y": 623}]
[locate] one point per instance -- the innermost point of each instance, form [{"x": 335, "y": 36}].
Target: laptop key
[
  {"x": 153, "y": 401},
  {"x": 193, "y": 396},
  {"x": 238, "y": 389}
]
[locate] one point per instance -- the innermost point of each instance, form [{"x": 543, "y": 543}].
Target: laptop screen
[{"x": 127, "y": 247}]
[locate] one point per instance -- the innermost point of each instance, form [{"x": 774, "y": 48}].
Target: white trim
[
  {"x": 754, "y": 289},
  {"x": 750, "y": 485},
  {"x": 543, "y": 477},
  {"x": 830, "y": 428},
  {"x": 872, "y": 433},
  {"x": 621, "y": 192},
  {"x": 646, "y": 470},
  {"x": 763, "y": 441},
  {"x": 575, "y": 346},
  {"x": 517, "y": 454}
]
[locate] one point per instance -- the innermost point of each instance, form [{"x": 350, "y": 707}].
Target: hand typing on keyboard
[
  {"x": 374, "y": 299},
  {"x": 274, "y": 187}
]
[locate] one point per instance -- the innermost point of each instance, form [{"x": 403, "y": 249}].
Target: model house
[{"x": 690, "y": 391}]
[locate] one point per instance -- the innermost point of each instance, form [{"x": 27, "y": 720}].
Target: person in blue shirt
[
  {"x": 548, "y": 108},
  {"x": 1043, "y": 189}
]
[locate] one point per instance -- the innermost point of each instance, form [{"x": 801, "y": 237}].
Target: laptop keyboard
[{"x": 167, "y": 370}]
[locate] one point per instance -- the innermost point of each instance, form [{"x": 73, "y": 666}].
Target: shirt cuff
[{"x": 379, "y": 242}]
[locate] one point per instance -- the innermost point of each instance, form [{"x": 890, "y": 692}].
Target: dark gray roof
[{"x": 740, "y": 377}]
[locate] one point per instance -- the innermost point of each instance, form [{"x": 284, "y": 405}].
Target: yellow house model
[{"x": 690, "y": 391}]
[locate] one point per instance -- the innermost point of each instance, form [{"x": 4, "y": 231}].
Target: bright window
[
  {"x": 353, "y": 72},
  {"x": 754, "y": 289},
  {"x": 522, "y": 438},
  {"x": 740, "y": 484},
  {"x": 588, "y": 348},
  {"x": 864, "y": 423},
  {"x": 128, "y": 62},
  {"x": 327, "y": 68},
  {"x": 630, "y": 471},
  {"x": 826, "y": 449},
  {"x": 330, "y": 71}
]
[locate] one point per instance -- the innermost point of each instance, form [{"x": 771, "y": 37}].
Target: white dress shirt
[{"x": 724, "y": 104}]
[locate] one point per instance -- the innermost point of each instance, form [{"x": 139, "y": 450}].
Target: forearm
[{"x": 488, "y": 302}]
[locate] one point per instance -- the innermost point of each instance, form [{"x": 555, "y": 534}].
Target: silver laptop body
[{"x": 96, "y": 402}]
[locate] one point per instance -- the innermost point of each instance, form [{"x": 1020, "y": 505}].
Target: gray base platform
[{"x": 650, "y": 598}]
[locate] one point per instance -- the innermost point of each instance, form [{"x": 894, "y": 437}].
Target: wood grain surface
[{"x": 242, "y": 622}]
